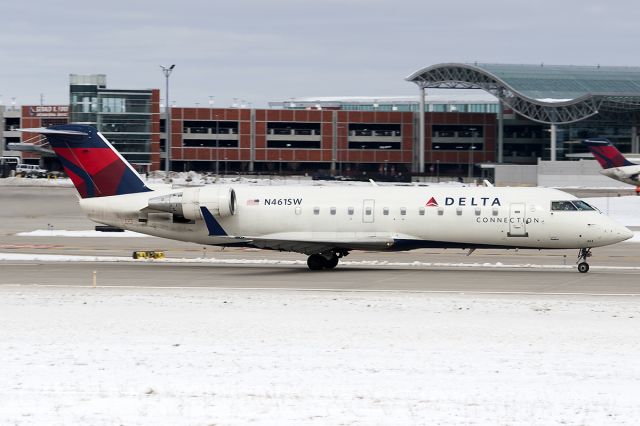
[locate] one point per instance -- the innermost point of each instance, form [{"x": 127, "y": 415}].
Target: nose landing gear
[{"x": 583, "y": 254}]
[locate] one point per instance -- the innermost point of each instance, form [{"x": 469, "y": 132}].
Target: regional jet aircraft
[
  {"x": 614, "y": 164},
  {"x": 327, "y": 222}
]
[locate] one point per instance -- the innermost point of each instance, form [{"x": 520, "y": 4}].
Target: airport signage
[{"x": 60, "y": 111}]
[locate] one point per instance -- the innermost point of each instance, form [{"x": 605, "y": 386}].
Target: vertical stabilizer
[
  {"x": 93, "y": 164},
  {"x": 607, "y": 155}
]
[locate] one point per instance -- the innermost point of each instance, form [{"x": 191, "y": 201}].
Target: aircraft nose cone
[{"x": 625, "y": 233}]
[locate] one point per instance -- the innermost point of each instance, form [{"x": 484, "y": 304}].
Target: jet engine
[{"x": 219, "y": 200}]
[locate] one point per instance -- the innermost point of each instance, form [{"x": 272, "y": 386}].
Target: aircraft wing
[
  {"x": 311, "y": 245},
  {"x": 303, "y": 242}
]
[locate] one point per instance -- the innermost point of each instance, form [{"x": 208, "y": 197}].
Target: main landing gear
[
  {"x": 583, "y": 254},
  {"x": 327, "y": 260}
]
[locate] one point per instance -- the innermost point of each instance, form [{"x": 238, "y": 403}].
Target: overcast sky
[{"x": 270, "y": 50}]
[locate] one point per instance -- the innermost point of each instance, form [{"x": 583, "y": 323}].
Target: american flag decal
[{"x": 255, "y": 202}]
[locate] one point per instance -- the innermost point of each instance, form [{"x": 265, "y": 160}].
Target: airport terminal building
[{"x": 513, "y": 114}]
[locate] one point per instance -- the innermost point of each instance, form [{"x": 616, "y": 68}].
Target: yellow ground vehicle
[{"x": 148, "y": 254}]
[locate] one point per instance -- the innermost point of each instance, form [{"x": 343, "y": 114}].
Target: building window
[
  {"x": 375, "y": 130},
  {"x": 209, "y": 143},
  {"x": 293, "y": 144},
  {"x": 211, "y": 127},
  {"x": 283, "y": 128}
]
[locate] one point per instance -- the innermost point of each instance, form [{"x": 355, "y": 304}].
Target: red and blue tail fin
[
  {"x": 94, "y": 166},
  {"x": 607, "y": 155}
]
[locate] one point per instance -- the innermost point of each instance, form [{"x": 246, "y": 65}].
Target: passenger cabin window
[
  {"x": 385, "y": 211},
  {"x": 316, "y": 210},
  {"x": 477, "y": 211},
  {"x": 421, "y": 211},
  {"x": 332, "y": 210},
  {"x": 403, "y": 211},
  {"x": 495, "y": 211},
  {"x": 350, "y": 210}
]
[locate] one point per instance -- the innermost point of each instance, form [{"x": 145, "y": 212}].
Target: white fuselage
[{"x": 402, "y": 217}]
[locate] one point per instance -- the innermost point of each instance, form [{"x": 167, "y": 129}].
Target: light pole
[{"x": 167, "y": 120}]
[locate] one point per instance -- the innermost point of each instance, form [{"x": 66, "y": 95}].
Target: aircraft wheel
[
  {"x": 583, "y": 267},
  {"x": 331, "y": 263},
  {"x": 316, "y": 262}
]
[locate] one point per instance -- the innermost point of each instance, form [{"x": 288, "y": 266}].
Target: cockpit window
[
  {"x": 570, "y": 206},
  {"x": 562, "y": 206},
  {"x": 581, "y": 205}
]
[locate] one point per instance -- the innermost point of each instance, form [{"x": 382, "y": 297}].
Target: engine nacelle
[{"x": 219, "y": 200}]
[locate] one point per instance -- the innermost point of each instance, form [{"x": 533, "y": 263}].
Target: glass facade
[{"x": 123, "y": 116}]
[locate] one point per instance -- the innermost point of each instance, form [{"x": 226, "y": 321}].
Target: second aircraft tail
[{"x": 607, "y": 155}]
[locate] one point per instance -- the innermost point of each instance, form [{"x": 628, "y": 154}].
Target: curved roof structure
[{"x": 559, "y": 94}]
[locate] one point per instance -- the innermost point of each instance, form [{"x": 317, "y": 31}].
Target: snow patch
[
  {"x": 77, "y": 234},
  {"x": 206, "y": 356}
]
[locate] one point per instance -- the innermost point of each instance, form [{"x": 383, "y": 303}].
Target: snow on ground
[
  {"x": 88, "y": 233},
  {"x": 202, "y": 356}
]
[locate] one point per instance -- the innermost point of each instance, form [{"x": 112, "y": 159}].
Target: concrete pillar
[
  {"x": 252, "y": 139},
  {"x": 554, "y": 141},
  {"x": 500, "y": 132},
  {"x": 334, "y": 143},
  {"x": 2, "y": 170},
  {"x": 1, "y": 131},
  {"x": 421, "y": 135},
  {"x": 635, "y": 141}
]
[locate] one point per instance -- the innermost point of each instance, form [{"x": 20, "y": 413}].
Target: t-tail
[
  {"x": 607, "y": 155},
  {"x": 93, "y": 164}
]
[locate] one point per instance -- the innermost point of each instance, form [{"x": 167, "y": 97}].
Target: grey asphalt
[{"x": 26, "y": 209}]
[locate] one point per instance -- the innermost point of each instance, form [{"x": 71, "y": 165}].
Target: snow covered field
[{"x": 205, "y": 356}]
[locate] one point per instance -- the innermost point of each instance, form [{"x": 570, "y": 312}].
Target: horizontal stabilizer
[{"x": 46, "y": 131}]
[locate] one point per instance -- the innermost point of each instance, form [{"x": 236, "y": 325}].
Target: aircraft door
[
  {"x": 517, "y": 220},
  {"x": 368, "y": 211}
]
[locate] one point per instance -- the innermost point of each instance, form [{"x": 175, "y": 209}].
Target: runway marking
[{"x": 328, "y": 290}]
